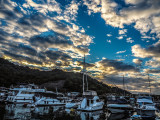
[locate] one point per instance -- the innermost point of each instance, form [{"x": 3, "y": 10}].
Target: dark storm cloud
[
  {"x": 32, "y": 21},
  {"x": 3, "y": 35},
  {"x": 84, "y": 49},
  {"x": 55, "y": 55},
  {"x": 155, "y": 49},
  {"x": 38, "y": 21},
  {"x": 80, "y": 63},
  {"x": 8, "y": 13},
  {"x": 145, "y": 4},
  {"x": 45, "y": 41},
  {"x": 117, "y": 65},
  {"x": 17, "y": 48},
  {"x": 153, "y": 71},
  {"x": 27, "y": 49},
  {"x": 21, "y": 58}
]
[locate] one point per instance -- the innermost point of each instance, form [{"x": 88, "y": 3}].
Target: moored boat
[
  {"x": 116, "y": 104},
  {"x": 146, "y": 107},
  {"x": 91, "y": 102}
]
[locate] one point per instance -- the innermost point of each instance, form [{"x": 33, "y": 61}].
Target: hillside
[{"x": 64, "y": 81}]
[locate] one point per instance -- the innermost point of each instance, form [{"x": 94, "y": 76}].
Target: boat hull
[
  {"x": 146, "y": 113},
  {"x": 119, "y": 108},
  {"x": 116, "y": 110},
  {"x": 73, "y": 105},
  {"x": 89, "y": 109},
  {"x": 51, "y": 104}
]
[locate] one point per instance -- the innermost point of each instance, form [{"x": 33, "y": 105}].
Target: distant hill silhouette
[{"x": 64, "y": 81}]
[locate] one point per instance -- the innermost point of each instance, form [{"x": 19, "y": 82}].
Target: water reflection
[
  {"x": 21, "y": 112},
  {"x": 17, "y": 112},
  {"x": 119, "y": 116},
  {"x": 90, "y": 115}
]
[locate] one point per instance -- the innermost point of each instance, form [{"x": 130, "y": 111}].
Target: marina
[{"x": 31, "y": 102}]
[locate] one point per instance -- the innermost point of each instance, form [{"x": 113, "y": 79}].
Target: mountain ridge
[{"x": 64, "y": 81}]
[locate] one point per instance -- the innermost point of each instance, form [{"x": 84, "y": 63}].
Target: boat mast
[
  {"x": 123, "y": 85},
  {"x": 86, "y": 80},
  {"x": 83, "y": 72},
  {"x": 149, "y": 84}
]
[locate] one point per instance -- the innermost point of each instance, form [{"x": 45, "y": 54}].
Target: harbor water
[{"x": 21, "y": 112}]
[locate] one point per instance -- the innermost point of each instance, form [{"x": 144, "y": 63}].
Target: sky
[{"x": 118, "y": 37}]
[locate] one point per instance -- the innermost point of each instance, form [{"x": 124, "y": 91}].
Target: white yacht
[
  {"x": 24, "y": 94},
  {"x": 90, "y": 102},
  {"x": 116, "y": 104},
  {"x": 146, "y": 107}
]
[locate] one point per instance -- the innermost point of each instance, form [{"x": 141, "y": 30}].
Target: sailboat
[
  {"x": 145, "y": 105},
  {"x": 91, "y": 101},
  {"x": 118, "y": 104}
]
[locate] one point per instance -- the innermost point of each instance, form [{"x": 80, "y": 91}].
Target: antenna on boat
[{"x": 149, "y": 84}]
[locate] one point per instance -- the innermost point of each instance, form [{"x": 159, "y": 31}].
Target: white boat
[
  {"x": 90, "y": 102},
  {"x": 116, "y": 104},
  {"x": 24, "y": 94},
  {"x": 72, "y": 104},
  {"x": 47, "y": 101},
  {"x": 146, "y": 107}
]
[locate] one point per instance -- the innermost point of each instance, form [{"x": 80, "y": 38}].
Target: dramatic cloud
[
  {"x": 152, "y": 51},
  {"x": 146, "y": 20},
  {"x": 141, "y": 52},
  {"x": 111, "y": 67},
  {"x": 42, "y": 33},
  {"x": 117, "y": 65}
]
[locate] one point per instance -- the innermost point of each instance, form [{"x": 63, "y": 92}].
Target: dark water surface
[{"x": 18, "y": 112}]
